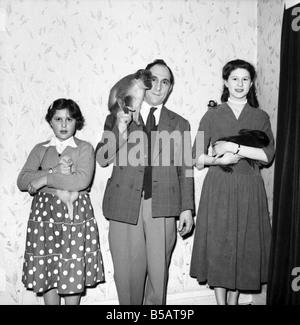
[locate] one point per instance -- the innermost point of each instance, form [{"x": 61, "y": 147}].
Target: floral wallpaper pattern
[{"x": 78, "y": 49}]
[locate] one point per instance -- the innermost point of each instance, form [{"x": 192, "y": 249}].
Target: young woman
[
  {"x": 62, "y": 254},
  {"x": 232, "y": 236}
]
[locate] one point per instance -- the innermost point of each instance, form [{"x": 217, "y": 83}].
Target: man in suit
[{"x": 151, "y": 185}]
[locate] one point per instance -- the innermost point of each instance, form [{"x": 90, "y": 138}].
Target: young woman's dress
[
  {"x": 61, "y": 253},
  {"x": 233, "y": 232}
]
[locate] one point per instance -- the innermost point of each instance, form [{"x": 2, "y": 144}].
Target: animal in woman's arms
[
  {"x": 128, "y": 93},
  {"x": 250, "y": 138},
  {"x": 68, "y": 197}
]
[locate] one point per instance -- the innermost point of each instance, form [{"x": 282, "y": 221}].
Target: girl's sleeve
[
  {"x": 82, "y": 177},
  {"x": 202, "y": 139},
  {"x": 270, "y": 149},
  {"x": 30, "y": 170}
]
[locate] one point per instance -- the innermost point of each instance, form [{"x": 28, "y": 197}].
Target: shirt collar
[
  {"x": 61, "y": 145},
  {"x": 145, "y": 109}
]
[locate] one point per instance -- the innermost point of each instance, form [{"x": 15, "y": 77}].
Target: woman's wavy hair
[
  {"x": 74, "y": 111},
  {"x": 240, "y": 64}
]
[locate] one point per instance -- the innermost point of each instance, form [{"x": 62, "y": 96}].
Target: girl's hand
[
  {"x": 229, "y": 158},
  {"x": 36, "y": 184},
  {"x": 66, "y": 164},
  {"x": 219, "y": 148}
]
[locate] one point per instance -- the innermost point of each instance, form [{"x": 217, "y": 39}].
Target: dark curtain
[{"x": 284, "y": 283}]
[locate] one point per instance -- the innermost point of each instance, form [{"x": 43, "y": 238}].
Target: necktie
[{"x": 150, "y": 124}]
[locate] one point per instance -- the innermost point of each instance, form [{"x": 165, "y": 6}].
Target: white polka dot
[
  {"x": 72, "y": 265},
  {"x": 55, "y": 258},
  {"x": 62, "y": 242},
  {"x": 42, "y": 238},
  {"x": 66, "y": 216},
  {"x": 30, "y": 272},
  {"x": 42, "y": 253},
  {"x": 89, "y": 273},
  {"x": 94, "y": 241},
  {"x": 64, "y": 286},
  {"x": 79, "y": 286},
  {"x": 39, "y": 219},
  {"x": 79, "y": 272},
  {"x": 50, "y": 238},
  {"x": 34, "y": 269},
  {"x": 64, "y": 228},
  {"x": 74, "y": 256},
  {"x": 58, "y": 214},
  {"x": 71, "y": 279},
  {"x": 73, "y": 242},
  {"x": 36, "y": 231},
  {"x": 59, "y": 264},
  {"x": 50, "y": 223},
  {"x": 46, "y": 200},
  {"x": 29, "y": 285},
  {"x": 51, "y": 207},
  {"x": 57, "y": 245},
  {"x": 44, "y": 213},
  {"x": 88, "y": 249},
  {"x": 77, "y": 217},
  {"x": 28, "y": 243},
  {"x": 80, "y": 234},
  {"x": 82, "y": 209},
  {"x": 49, "y": 260},
  {"x": 50, "y": 251},
  {"x": 73, "y": 228},
  {"x": 84, "y": 202},
  {"x": 81, "y": 248},
  {"x": 41, "y": 276},
  {"x": 42, "y": 224},
  {"x": 34, "y": 245},
  {"x": 41, "y": 262},
  {"x": 92, "y": 228},
  {"x": 29, "y": 230},
  {"x": 58, "y": 201},
  {"x": 89, "y": 260},
  {"x": 55, "y": 271},
  {"x": 56, "y": 233},
  {"x": 65, "y": 272},
  {"x": 88, "y": 223},
  {"x": 68, "y": 250},
  {"x": 51, "y": 220},
  {"x": 49, "y": 273},
  {"x": 37, "y": 212}
]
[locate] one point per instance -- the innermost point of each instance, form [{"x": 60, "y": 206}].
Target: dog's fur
[
  {"x": 128, "y": 93},
  {"x": 250, "y": 138}
]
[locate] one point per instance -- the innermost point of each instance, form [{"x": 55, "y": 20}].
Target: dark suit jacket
[{"x": 172, "y": 171}]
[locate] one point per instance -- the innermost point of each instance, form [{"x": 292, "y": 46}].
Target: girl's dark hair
[
  {"x": 240, "y": 64},
  {"x": 69, "y": 104}
]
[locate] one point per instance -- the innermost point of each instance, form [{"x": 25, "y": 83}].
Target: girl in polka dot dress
[{"x": 62, "y": 254}]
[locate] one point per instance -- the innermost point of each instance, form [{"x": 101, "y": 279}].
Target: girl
[
  {"x": 232, "y": 237},
  {"x": 62, "y": 254}
]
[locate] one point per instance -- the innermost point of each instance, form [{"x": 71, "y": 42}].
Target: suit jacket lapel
[{"x": 167, "y": 123}]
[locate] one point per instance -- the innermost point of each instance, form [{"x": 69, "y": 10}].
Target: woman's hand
[
  {"x": 219, "y": 148},
  {"x": 228, "y": 158},
  {"x": 65, "y": 165}
]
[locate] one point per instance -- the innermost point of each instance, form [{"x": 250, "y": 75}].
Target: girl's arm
[
  {"x": 81, "y": 178},
  {"x": 247, "y": 152},
  {"x": 206, "y": 160}
]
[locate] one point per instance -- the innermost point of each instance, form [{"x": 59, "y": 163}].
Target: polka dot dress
[{"x": 61, "y": 253}]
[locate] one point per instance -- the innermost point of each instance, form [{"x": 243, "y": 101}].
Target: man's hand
[{"x": 186, "y": 222}]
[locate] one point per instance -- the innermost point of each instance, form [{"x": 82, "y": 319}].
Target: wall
[{"x": 79, "y": 49}]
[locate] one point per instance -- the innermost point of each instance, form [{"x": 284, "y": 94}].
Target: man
[{"x": 142, "y": 200}]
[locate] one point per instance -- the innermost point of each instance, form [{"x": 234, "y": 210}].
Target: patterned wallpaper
[{"x": 78, "y": 49}]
